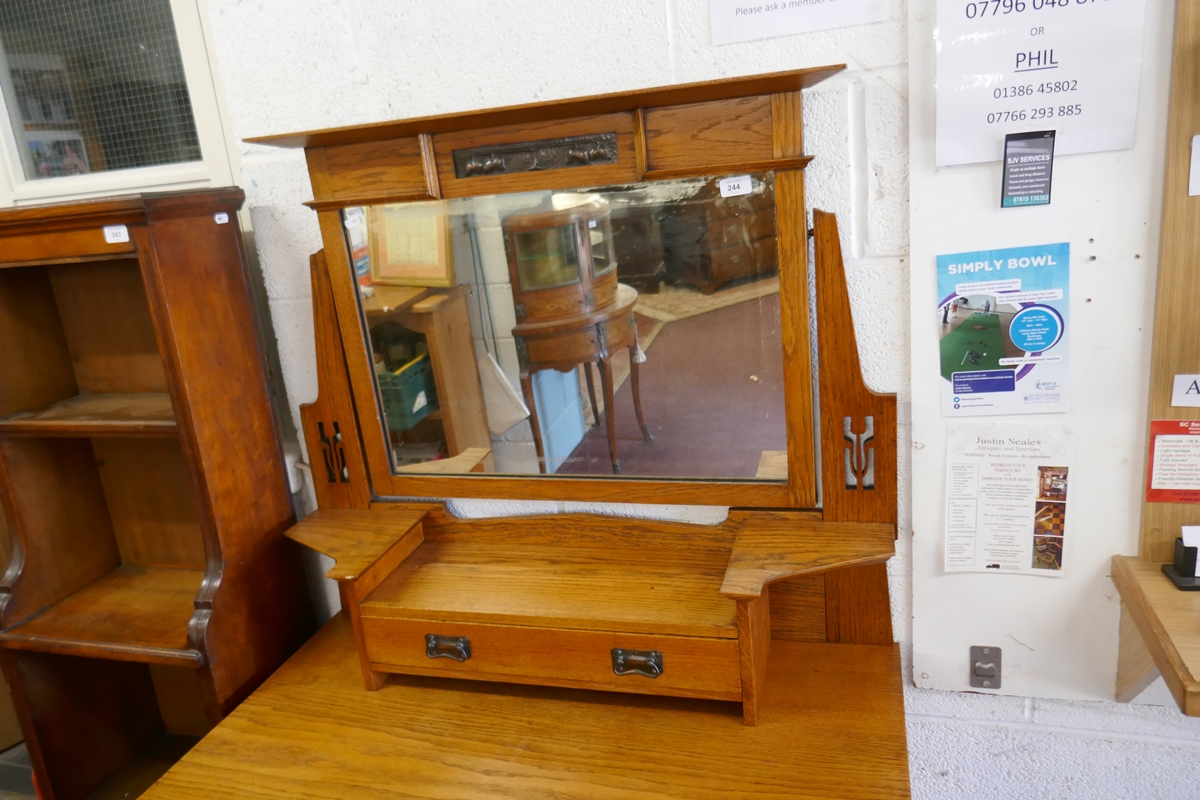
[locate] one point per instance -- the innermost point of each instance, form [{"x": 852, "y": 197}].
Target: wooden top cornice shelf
[
  {"x": 832, "y": 729},
  {"x": 681, "y": 94},
  {"x": 1168, "y": 625}
]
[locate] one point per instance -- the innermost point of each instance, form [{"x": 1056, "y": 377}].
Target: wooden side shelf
[
  {"x": 143, "y": 414},
  {"x": 1158, "y": 633},
  {"x": 132, "y": 614}
]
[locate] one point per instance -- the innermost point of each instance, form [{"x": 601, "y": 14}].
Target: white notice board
[
  {"x": 1009, "y": 66},
  {"x": 1058, "y": 635}
]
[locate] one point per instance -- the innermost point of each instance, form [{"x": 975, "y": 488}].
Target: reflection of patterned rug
[{"x": 683, "y": 301}]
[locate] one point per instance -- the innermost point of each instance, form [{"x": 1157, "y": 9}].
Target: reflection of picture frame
[
  {"x": 410, "y": 246},
  {"x": 57, "y": 153}
]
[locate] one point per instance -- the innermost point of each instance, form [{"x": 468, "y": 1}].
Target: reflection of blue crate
[{"x": 409, "y": 394}]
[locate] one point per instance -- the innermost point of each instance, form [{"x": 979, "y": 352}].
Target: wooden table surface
[
  {"x": 1160, "y": 627},
  {"x": 831, "y": 726}
]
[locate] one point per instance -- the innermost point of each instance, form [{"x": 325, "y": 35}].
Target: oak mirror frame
[{"x": 693, "y": 134}]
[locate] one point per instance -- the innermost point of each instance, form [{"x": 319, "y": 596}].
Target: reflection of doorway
[{"x": 712, "y": 387}]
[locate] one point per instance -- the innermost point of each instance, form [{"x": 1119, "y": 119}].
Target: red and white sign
[{"x": 1174, "y": 461}]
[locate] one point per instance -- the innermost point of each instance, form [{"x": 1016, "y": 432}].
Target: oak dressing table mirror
[{"x": 596, "y": 299}]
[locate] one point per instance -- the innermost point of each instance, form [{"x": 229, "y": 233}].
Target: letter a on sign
[{"x": 1186, "y": 391}]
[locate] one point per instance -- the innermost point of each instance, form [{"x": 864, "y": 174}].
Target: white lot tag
[
  {"x": 1194, "y": 172},
  {"x": 116, "y": 234},
  {"x": 732, "y": 187},
  {"x": 420, "y": 403},
  {"x": 352, "y": 217},
  {"x": 1185, "y": 393},
  {"x": 221, "y": 218}
]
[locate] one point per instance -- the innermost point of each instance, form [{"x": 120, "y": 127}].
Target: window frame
[{"x": 217, "y": 167}]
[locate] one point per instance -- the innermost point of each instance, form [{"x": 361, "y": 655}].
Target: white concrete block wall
[{"x": 304, "y": 64}]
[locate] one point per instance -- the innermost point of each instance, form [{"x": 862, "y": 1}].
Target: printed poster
[
  {"x": 1174, "y": 462},
  {"x": 1006, "y": 498},
  {"x": 1004, "y": 330},
  {"x": 1011, "y": 66}
]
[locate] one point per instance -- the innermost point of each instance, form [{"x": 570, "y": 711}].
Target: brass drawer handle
[
  {"x": 455, "y": 647},
  {"x": 637, "y": 662}
]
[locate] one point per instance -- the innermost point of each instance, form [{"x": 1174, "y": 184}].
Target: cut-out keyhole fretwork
[{"x": 859, "y": 454}]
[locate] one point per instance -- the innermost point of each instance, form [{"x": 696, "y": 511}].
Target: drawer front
[
  {"x": 691, "y": 667},
  {"x": 575, "y": 347},
  {"x": 741, "y": 229},
  {"x": 741, "y": 260}
]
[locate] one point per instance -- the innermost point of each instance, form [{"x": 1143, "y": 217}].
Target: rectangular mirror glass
[{"x": 625, "y": 330}]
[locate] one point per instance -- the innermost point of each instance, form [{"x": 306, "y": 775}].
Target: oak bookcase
[{"x": 149, "y": 588}]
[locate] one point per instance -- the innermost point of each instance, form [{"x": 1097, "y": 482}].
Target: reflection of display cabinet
[
  {"x": 150, "y": 588},
  {"x": 561, "y": 262},
  {"x": 715, "y": 240}
]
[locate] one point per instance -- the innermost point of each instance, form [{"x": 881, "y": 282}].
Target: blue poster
[{"x": 1004, "y": 340}]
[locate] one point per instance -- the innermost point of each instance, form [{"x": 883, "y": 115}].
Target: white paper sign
[
  {"x": 1185, "y": 391},
  {"x": 116, "y": 234},
  {"x": 1006, "y": 498},
  {"x": 1009, "y": 66},
  {"x": 745, "y": 20}
]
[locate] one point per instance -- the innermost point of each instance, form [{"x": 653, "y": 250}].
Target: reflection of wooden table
[
  {"x": 1160, "y": 633},
  {"x": 832, "y": 727},
  {"x": 564, "y": 344}
]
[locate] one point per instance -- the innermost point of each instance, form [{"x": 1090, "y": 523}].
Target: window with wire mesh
[{"x": 94, "y": 85}]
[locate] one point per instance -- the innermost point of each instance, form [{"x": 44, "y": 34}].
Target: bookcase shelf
[
  {"x": 131, "y": 614},
  {"x": 121, "y": 414}
]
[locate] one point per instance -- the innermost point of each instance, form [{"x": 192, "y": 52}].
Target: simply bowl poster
[{"x": 1004, "y": 337}]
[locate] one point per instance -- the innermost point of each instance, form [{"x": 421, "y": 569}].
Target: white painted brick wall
[{"x": 291, "y": 65}]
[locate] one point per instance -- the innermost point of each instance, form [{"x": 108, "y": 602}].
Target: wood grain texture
[
  {"x": 55, "y": 694},
  {"x": 36, "y": 368},
  {"x": 831, "y": 727},
  {"x": 125, "y": 339},
  {"x": 858, "y": 608},
  {"x": 767, "y": 550},
  {"x": 1175, "y": 346},
  {"x": 106, "y": 319},
  {"x": 132, "y": 614},
  {"x": 699, "y": 667},
  {"x": 63, "y": 534},
  {"x": 791, "y": 224},
  {"x": 843, "y": 393},
  {"x": 253, "y": 608},
  {"x": 624, "y": 170},
  {"x": 1165, "y": 618},
  {"x": 754, "y": 648},
  {"x": 93, "y": 415},
  {"x": 679, "y": 94},
  {"x": 181, "y": 700},
  {"x": 46, "y": 247},
  {"x": 367, "y": 170},
  {"x": 1135, "y": 665},
  {"x": 356, "y": 539},
  {"x": 330, "y": 427},
  {"x": 720, "y": 168},
  {"x": 714, "y": 132},
  {"x": 560, "y": 583},
  {"x": 151, "y": 502},
  {"x": 798, "y": 609}
]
